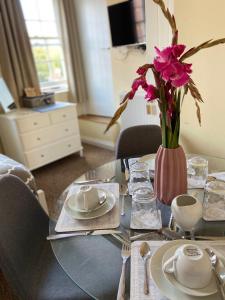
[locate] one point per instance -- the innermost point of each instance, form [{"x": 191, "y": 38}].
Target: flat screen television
[{"x": 127, "y": 22}]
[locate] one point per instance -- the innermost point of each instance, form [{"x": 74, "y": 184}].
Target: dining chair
[
  {"x": 26, "y": 257},
  {"x": 138, "y": 140}
]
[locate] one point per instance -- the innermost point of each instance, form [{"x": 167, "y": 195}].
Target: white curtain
[{"x": 66, "y": 12}]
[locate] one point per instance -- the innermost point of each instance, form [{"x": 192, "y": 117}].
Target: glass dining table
[{"x": 94, "y": 262}]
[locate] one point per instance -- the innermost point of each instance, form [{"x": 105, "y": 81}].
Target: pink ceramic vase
[{"x": 170, "y": 174}]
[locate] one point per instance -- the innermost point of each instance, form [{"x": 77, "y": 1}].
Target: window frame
[{"x": 54, "y": 85}]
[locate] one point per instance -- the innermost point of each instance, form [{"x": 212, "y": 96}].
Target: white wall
[
  {"x": 121, "y": 67},
  {"x": 95, "y": 42},
  {"x": 157, "y": 34},
  {"x": 199, "y": 21}
]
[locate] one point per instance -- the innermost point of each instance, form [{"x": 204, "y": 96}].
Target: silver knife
[
  {"x": 81, "y": 233},
  {"x": 106, "y": 180},
  {"x": 172, "y": 235}
]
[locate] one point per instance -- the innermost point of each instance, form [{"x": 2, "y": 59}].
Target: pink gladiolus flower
[
  {"x": 141, "y": 81},
  {"x": 131, "y": 95},
  {"x": 181, "y": 80},
  {"x": 169, "y": 66},
  {"x": 177, "y": 50},
  {"x": 143, "y": 70},
  {"x": 152, "y": 93}
]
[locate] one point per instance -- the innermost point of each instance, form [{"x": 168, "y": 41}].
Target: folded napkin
[
  {"x": 137, "y": 274},
  {"x": 110, "y": 220},
  {"x": 137, "y": 270}
]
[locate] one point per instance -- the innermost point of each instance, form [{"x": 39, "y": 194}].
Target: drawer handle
[
  {"x": 35, "y": 123},
  {"x": 69, "y": 145},
  {"x": 42, "y": 155},
  {"x": 64, "y": 116},
  {"x": 66, "y": 129},
  {"x": 38, "y": 139}
]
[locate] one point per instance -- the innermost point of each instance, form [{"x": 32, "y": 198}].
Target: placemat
[
  {"x": 138, "y": 220},
  {"x": 110, "y": 220},
  {"x": 137, "y": 270}
]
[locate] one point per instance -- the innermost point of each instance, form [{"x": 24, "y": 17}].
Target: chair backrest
[
  {"x": 138, "y": 140},
  {"x": 23, "y": 230}
]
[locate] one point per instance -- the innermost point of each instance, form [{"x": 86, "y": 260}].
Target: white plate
[
  {"x": 161, "y": 282},
  {"x": 208, "y": 290},
  {"x": 103, "y": 209}
]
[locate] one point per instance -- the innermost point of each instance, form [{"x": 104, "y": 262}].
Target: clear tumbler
[
  {"x": 139, "y": 176},
  {"x": 145, "y": 214},
  {"x": 197, "y": 172}
]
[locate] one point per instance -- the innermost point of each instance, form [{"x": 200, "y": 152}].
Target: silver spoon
[
  {"x": 214, "y": 260},
  {"x": 145, "y": 252}
]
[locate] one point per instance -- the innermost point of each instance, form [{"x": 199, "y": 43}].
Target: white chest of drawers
[{"x": 36, "y": 139}]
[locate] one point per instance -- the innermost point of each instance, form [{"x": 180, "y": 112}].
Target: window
[
  {"x": 46, "y": 43},
  {"x": 139, "y": 19}
]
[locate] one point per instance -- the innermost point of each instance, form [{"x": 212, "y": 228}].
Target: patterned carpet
[{"x": 55, "y": 177}]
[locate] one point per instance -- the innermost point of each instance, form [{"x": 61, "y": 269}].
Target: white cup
[
  {"x": 87, "y": 199},
  {"x": 187, "y": 211},
  {"x": 191, "y": 266}
]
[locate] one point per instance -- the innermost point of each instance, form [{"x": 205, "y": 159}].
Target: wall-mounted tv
[{"x": 127, "y": 22}]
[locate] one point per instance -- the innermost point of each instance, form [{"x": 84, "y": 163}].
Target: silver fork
[
  {"x": 220, "y": 281},
  {"x": 125, "y": 254}
]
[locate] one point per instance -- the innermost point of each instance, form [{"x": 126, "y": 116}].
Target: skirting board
[{"x": 97, "y": 142}]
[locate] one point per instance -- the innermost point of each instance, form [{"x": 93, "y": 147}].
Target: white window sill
[{"x": 55, "y": 89}]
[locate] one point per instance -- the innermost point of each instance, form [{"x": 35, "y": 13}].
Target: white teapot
[{"x": 187, "y": 211}]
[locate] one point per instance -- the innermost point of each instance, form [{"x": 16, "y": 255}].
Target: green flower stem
[{"x": 171, "y": 131}]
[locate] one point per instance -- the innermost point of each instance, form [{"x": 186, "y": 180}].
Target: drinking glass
[
  {"x": 139, "y": 176},
  {"x": 197, "y": 172},
  {"x": 214, "y": 201},
  {"x": 144, "y": 214}
]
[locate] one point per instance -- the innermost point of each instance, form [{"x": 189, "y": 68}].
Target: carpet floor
[{"x": 55, "y": 177}]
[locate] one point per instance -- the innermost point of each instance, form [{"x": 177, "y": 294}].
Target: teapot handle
[{"x": 172, "y": 260}]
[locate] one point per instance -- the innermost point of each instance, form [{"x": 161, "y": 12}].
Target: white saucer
[
  {"x": 163, "y": 284},
  {"x": 102, "y": 210},
  {"x": 206, "y": 291}
]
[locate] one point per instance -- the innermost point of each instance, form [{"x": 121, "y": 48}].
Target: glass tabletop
[{"x": 94, "y": 262}]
